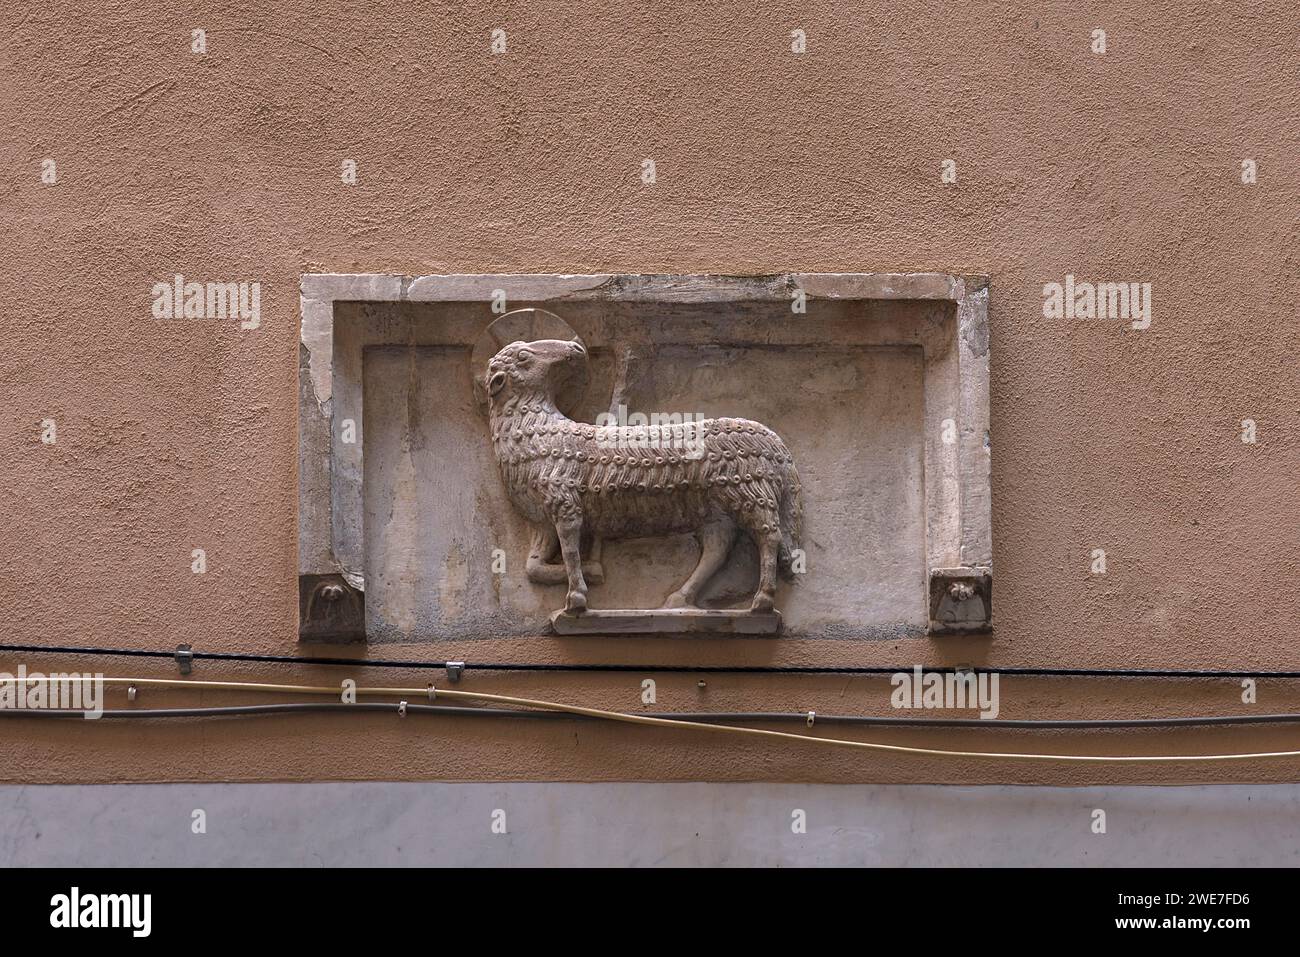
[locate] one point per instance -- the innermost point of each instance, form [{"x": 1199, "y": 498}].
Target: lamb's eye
[{"x": 523, "y": 356}]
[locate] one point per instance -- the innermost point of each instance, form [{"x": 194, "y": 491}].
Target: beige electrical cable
[{"x": 431, "y": 692}]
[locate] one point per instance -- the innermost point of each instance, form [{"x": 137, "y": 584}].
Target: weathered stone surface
[
  {"x": 666, "y": 621},
  {"x": 961, "y": 600},
  {"x": 357, "y": 287},
  {"x": 435, "y": 507},
  {"x": 879, "y": 391},
  {"x": 330, "y": 610}
]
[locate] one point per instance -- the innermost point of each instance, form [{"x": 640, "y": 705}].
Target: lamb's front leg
[{"x": 569, "y": 530}]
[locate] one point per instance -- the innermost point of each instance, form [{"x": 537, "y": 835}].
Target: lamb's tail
[{"x": 789, "y": 558}]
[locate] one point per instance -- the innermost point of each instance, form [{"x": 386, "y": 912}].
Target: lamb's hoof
[
  {"x": 576, "y": 603},
  {"x": 677, "y": 600},
  {"x": 762, "y": 604},
  {"x": 594, "y": 573}
]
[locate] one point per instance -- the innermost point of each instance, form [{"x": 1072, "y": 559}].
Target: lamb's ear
[{"x": 496, "y": 382}]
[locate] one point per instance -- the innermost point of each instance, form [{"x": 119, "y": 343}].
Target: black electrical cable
[
  {"x": 697, "y": 716},
  {"x": 651, "y": 669}
]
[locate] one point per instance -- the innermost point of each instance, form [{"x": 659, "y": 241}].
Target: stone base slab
[{"x": 666, "y": 621}]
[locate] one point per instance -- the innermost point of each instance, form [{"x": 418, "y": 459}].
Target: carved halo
[{"x": 523, "y": 325}]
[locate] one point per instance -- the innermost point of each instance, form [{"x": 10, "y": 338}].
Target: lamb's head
[{"x": 541, "y": 369}]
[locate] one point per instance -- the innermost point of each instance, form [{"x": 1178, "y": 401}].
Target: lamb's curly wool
[{"x": 624, "y": 481}]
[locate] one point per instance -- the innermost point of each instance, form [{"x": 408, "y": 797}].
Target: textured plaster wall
[{"x": 225, "y": 166}]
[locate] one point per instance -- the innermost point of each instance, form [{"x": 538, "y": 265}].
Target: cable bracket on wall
[
  {"x": 185, "y": 658},
  {"x": 454, "y": 670}
]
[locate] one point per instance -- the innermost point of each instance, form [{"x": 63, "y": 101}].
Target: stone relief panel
[{"x": 711, "y": 464}]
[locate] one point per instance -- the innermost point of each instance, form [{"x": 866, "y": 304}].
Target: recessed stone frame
[{"x": 958, "y": 533}]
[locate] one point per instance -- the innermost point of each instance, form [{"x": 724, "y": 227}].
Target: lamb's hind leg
[
  {"x": 716, "y": 539},
  {"x": 542, "y": 571},
  {"x": 539, "y": 567},
  {"x": 569, "y": 531},
  {"x": 768, "y": 542}
]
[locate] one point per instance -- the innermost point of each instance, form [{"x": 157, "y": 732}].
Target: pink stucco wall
[{"x": 225, "y": 166}]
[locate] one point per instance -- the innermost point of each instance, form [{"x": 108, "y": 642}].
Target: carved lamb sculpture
[{"x": 710, "y": 477}]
